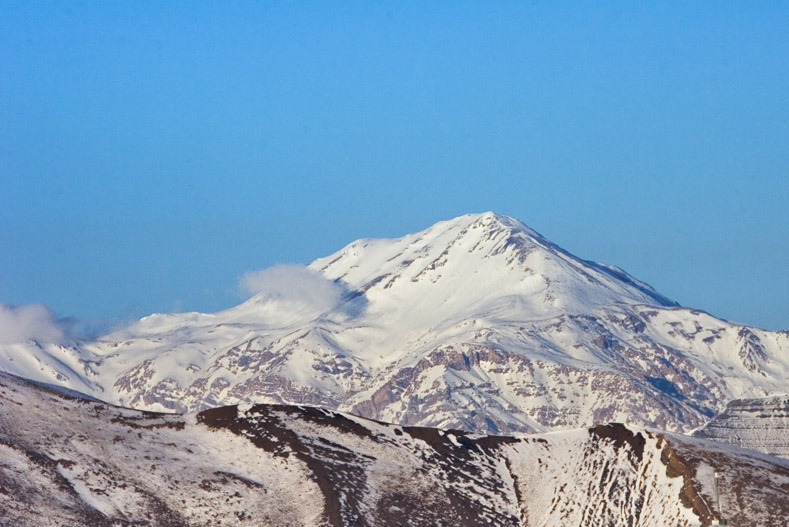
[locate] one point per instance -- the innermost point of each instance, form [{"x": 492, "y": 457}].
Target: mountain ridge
[
  {"x": 80, "y": 462},
  {"x": 477, "y": 323}
]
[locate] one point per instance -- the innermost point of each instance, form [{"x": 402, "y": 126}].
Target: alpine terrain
[
  {"x": 70, "y": 461},
  {"x": 477, "y": 323}
]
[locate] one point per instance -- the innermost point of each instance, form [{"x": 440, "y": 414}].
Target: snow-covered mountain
[
  {"x": 69, "y": 461},
  {"x": 477, "y": 323}
]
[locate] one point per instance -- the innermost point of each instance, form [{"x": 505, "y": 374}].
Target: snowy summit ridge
[
  {"x": 477, "y": 259},
  {"x": 477, "y": 323}
]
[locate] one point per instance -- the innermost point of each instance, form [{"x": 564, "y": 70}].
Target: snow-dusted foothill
[
  {"x": 70, "y": 461},
  {"x": 476, "y": 323}
]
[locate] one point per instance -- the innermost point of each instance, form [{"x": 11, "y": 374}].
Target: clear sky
[{"x": 153, "y": 152}]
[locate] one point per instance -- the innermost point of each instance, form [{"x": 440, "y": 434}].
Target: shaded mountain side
[{"x": 75, "y": 462}]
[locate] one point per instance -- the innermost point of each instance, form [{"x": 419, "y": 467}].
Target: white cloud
[
  {"x": 294, "y": 283},
  {"x": 30, "y": 321}
]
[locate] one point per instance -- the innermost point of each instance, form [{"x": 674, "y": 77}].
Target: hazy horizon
[{"x": 152, "y": 154}]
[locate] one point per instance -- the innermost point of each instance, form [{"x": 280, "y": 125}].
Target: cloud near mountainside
[
  {"x": 30, "y": 321},
  {"x": 294, "y": 283}
]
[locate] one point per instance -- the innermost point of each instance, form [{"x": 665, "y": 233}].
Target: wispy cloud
[
  {"x": 294, "y": 283},
  {"x": 31, "y": 321}
]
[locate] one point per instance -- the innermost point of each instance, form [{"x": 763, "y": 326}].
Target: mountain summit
[
  {"x": 475, "y": 262},
  {"x": 477, "y": 323}
]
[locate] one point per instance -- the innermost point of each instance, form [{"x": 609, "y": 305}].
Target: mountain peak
[
  {"x": 475, "y": 322},
  {"x": 492, "y": 218},
  {"x": 490, "y": 221},
  {"x": 482, "y": 259}
]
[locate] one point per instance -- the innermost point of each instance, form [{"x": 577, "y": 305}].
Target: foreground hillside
[{"x": 74, "y": 462}]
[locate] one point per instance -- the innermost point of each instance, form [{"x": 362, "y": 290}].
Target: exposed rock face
[
  {"x": 477, "y": 323},
  {"x": 758, "y": 424},
  {"x": 73, "y": 462}
]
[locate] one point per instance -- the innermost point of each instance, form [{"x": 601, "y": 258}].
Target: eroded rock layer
[{"x": 759, "y": 424}]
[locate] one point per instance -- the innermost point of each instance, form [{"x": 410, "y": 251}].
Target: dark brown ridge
[
  {"x": 675, "y": 467},
  {"x": 620, "y": 434}
]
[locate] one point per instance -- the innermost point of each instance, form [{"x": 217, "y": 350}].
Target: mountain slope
[
  {"x": 476, "y": 323},
  {"x": 76, "y": 462}
]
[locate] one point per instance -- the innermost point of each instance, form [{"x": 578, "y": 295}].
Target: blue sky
[{"x": 153, "y": 152}]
